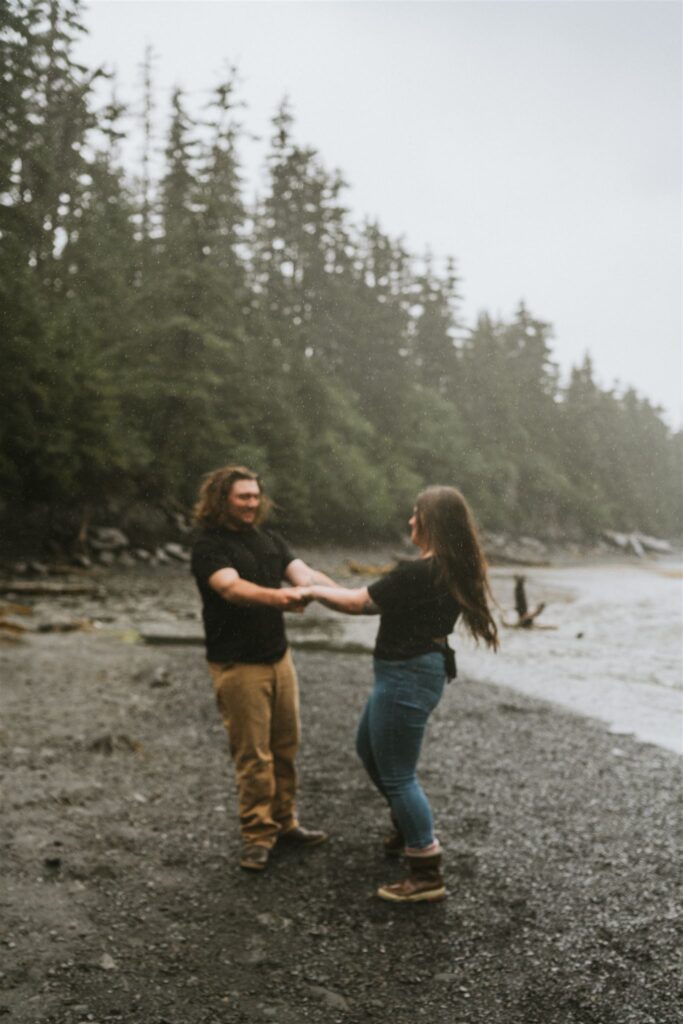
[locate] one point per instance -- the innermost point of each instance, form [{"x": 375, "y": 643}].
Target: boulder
[
  {"x": 107, "y": 538},
  {"x": 82, "y": 561},
  {"x": 180, "y": 521},
  {"x": 177, "y": 551}
]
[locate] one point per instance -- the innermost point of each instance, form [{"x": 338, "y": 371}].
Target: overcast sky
[{"x": 537, "y": 142}]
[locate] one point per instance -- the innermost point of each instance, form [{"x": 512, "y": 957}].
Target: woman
[{"x": 418, "y": 603}]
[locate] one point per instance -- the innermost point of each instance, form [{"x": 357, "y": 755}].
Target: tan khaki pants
[{"x": 259, "y": 705}]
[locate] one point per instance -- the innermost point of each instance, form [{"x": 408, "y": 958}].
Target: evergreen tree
[
  {"x": 55, "y": 436},
  {"x": 173, "y": 380},
  {"x": 301, "y": 279},
  {"x": 435, "y": 325},
  {"x": 154, "y": 330}
]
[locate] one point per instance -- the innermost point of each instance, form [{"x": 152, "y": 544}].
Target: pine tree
[
  {"x": 434, "y": 327},
  {"x": 54, "y": 437},
  {"x": 154, "y": 330}
]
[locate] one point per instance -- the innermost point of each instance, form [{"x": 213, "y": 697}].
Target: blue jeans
[{"x": 390, "y": 735}]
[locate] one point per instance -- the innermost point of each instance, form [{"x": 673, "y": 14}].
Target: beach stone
[
  {"x": 108, "y": 538},
  {"x": 82, "y": 561},
  {"x": 331, "y": 999},
  {"x": 177, "y": 551},
  {"x": 161, "y": 677}
]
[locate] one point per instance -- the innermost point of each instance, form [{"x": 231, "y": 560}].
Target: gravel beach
[{"x": 122, "y": 899}]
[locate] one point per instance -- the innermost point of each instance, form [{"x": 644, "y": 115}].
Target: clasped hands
[{"x": 295, "y": 599}]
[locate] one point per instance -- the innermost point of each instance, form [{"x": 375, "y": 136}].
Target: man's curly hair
[{"x": 211, "y": 509}]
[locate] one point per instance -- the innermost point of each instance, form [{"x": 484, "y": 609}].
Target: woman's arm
[{"x": 341, "y": 599}]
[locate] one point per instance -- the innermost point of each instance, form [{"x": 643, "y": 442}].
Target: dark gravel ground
[{"x": 122, "y": 899}]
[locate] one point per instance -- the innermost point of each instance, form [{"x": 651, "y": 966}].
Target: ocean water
[{"x": 615, "y": 652}]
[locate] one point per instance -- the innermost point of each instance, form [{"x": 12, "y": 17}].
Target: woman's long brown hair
[{"x": 446, "y": 524}]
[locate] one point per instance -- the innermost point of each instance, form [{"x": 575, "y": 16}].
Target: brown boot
[
  {"x": 424, "y": 883},
  {"x": 253, "y": 857},
  {"x": 301, "y": 836}
]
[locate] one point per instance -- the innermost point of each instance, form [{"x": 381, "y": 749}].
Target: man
[{"x": 238, "y": 565}]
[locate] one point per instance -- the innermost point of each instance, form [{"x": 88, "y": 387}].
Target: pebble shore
[{"x": 123, "y": 901}]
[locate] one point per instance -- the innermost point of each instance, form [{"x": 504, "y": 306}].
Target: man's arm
[
  {"x": 301, "y": 575},
  {"x": 232, "y": 588},
  {"x": 340, "y": 599}
]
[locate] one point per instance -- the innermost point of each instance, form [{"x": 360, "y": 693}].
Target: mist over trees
[{"x": 155, "y": 329}]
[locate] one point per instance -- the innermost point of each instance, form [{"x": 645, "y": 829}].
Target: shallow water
[{"x": 616, "y": 653}]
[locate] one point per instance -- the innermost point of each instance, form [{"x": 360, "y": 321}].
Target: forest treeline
[{"x": 156, "y": 325}]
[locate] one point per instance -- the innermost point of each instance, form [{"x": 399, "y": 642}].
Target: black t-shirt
[
  {"x": 415, "y": 608},
  {"x": 254, "y": 634}
]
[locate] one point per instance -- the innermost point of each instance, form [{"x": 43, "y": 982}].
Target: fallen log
[
  {"x": 525, "y": 619},
  {"x": 66, "y": 626},
  {"x": 162, "y": 636},
  {"x": 11, "y": 625},
  {"x": 48, "y": 588},
  {"x": 170, "y": 637},
  {"x": 661, "y": 547},
  {"x": 16, "y": 609},
  {"x": 499, "y": 558},
  {"x": 637, "y": 543},
  {"x": 365, "y": 569}
]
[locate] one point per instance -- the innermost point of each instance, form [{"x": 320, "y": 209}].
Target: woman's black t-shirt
[
  {"x": 415, "y": 607},
  {"x": 244, "y": 633}
]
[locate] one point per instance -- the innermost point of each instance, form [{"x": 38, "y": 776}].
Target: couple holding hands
[{"x": 239, "y": 565}]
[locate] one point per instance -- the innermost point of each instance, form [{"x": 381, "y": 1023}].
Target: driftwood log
[
  {"x": 365, "y": 569},
  {"x": 48, "y": 588},
  {"x": 525, "y": 619}
]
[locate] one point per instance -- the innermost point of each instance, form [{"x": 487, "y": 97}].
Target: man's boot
[{"x": 424, "y": 883}]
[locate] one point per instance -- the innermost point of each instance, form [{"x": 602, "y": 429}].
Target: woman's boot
[
  {"x": 394, "y": 843},
  {"x": 424, "y": 883}
]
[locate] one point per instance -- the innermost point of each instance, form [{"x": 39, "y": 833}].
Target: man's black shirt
[{"x": 254, "y": 634}]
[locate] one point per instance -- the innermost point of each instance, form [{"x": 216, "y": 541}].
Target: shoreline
[
  {"x": 581, "y": 663},
  {"x": 340, "y": 555}
]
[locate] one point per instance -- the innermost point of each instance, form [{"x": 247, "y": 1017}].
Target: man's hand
[{"x": 293, "y": 599}]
